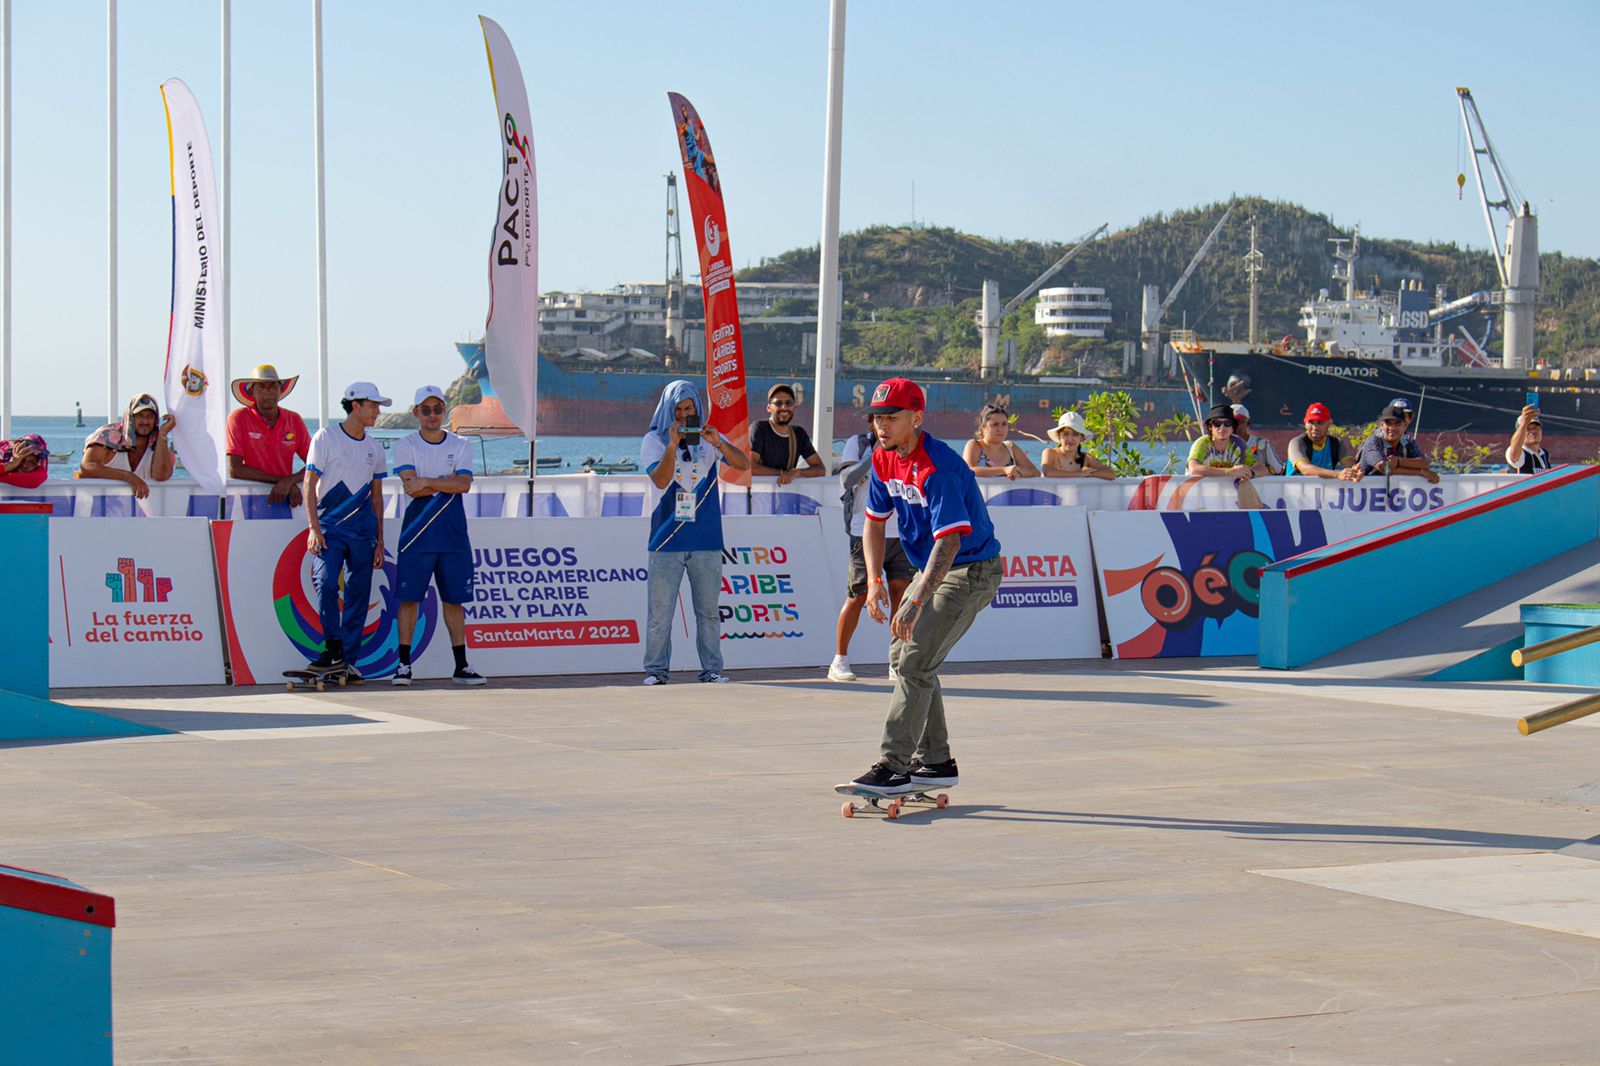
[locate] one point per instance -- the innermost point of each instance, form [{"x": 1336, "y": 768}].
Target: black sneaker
[
  {"x": 938, "y": 775},
  {"x": 467, "y": 677},
  {"x": 402, "y": 675},
  {"x": 327, "y": 662},
  {"x": 884, "y": 781}
]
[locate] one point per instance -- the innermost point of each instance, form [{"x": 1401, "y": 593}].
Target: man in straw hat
[{"x": 264, "y": 438}]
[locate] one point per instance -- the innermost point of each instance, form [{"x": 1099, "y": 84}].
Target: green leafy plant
[
  {"x": 1446, "y": 459},
  {"x": 1113, "y": 421}
]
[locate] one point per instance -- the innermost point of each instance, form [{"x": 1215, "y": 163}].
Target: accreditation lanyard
[{"x": 686, "y": 477}]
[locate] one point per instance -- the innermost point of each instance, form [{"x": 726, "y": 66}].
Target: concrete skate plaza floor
[{"x": 1196, "y": 863}]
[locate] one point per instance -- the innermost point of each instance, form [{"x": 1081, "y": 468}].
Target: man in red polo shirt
[{"x": 264, "y": 438}]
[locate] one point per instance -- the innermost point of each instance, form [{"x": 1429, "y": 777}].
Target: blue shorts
[{"x": 453, "y": 570}]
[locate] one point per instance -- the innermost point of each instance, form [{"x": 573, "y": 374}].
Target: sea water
[{"x": 492, "y": 455}]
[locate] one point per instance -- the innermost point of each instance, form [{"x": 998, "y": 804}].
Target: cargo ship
[
  {"x": 1367, "y": 348},
  {"x": 614, "y": 398}
]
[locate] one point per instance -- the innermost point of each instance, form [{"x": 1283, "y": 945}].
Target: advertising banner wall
[
  {"x": 1189, "y": 583},
  {"x": 137, "y": 608},
  {"x": 1046, "y": 607}
]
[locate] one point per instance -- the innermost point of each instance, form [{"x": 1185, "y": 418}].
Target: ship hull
[
  {"x": 1462, "y": 408},
  {"x": 587, "y": 402}
]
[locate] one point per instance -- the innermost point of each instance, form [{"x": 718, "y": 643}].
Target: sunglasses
[
  {"x": 780, "y": 403},
  {"x": 1215, "y": 422},
  {"x": 432, "y": 409}
]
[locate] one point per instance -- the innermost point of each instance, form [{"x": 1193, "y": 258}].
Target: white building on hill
[{"x": 1073, "y": 311}]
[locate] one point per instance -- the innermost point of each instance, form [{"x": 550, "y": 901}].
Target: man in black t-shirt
[{"x": 778, "y": 446}]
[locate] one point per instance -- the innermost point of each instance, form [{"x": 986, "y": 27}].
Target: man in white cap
[
  {"x": 344, "y": 508},
  {"x": 1258, "y": 450},
  {"x": 435, "y": 470},
  {"x": 264, "y": 438}
]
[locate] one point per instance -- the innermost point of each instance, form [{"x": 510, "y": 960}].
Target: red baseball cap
[
  {"x": 1317, "y": 413},
  {"x": 897, "y": 394}
]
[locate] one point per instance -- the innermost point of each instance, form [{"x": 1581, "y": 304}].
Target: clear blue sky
[{"x": 1014, "y": 119}]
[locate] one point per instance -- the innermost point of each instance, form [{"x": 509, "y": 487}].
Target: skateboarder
[
  {"x": 946, "y": 533},
  {"x": 344, "y": 509},
  {"x": 435, "y": 468}
]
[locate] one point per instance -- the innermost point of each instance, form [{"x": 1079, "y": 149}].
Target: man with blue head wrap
[{"x": 681, "y": 455}]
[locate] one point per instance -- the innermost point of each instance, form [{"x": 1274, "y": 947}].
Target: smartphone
[
  {"x": 690, "y": 434},
  {"x": 1531, "y": 399}
]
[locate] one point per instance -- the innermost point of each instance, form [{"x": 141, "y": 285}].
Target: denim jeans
[
  {"x": 705, "y": 584},
  {"x": 916, "y": 725}
]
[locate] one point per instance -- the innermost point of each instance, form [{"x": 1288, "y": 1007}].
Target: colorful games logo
[{"x": 294, "y": 602}]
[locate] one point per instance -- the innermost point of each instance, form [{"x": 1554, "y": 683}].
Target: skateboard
[
  {"x": 891, "y": 806},
  {"x": 317, "y": 679}
]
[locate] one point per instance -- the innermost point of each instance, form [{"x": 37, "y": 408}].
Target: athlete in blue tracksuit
[
  {"x": 435, "y": 470},
  {"x": 344, "y": 508}
]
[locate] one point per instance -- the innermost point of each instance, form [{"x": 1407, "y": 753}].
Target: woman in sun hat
[{"x": 1068, "y": 458}]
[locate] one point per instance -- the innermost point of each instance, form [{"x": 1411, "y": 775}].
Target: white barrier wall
[{"x": 133, "y": 604}]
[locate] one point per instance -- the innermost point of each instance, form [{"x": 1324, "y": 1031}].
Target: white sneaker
[
  {"x": 716, "y": 679},
  {"x": 652, "y": 679},
  {"x": 840, "y": 670}
]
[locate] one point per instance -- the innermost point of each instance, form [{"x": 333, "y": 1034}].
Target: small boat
[{"x": 592, "y": 465}]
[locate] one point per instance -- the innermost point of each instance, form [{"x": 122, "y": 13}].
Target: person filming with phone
[
  {"x": 681, "y": 457},
  {"x": 1525, "y": 454}
]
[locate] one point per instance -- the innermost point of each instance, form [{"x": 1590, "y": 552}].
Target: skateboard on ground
[
  {"x": 315, "y": 678},
  {"x": 891, "y": 806}
]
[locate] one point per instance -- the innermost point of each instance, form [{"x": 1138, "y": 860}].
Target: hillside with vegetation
[{"x": 910, "y": 294}]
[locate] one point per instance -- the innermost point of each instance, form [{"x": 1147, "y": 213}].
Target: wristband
[
  {"x": 874, "y": 580},
  {"x": 916, "y": 601}
]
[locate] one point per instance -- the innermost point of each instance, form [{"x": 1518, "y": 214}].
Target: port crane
[
  {"x": 990, "y": 313},
  {"x": 1518, "y": 261},
  {"x": 1155, "y": 308}
]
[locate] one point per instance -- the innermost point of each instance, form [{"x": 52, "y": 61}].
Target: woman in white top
[
  {"x": 1068, "y": 458},
  {"x": 990, "y": 454}
]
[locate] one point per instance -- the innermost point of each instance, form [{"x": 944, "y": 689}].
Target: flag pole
[
  {"x": 112, "y": 403},
  {"x": 225, "y": 187},
  {"x": 5, "y": 219},
  {"x": 322, "y": 217},
  {"x": 828, "y": 273}
]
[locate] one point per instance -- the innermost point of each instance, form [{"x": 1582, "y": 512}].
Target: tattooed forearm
[{"x": 944, "y": 554}]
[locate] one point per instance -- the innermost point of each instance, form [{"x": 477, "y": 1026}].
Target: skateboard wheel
[
  {"x": 319, "y": 685},
  {"x": 288, "y": 686},
  {"x": 894, "y": 810},
  {"x": 941, "y": 801},
  {"x": 848, "y": 810}
]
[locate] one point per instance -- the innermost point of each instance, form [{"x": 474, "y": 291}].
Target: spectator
[
  {"x": 1317, "y": 453},
  {"x": 1068, "y": 458},
  {"x": 132, "y": 449},
  {"x": 264, "y": 438},
  {"x": 435, "y": 470},
  {"x": 947, "y": 535},
  {"x": 344, "y": 513},
  {"x": 1401, "y": 404},
  {"x": 1525, "y": 454},
  {"x": 1389, "y": 451},
  {"x": 24, "y": 462},
  {"x": 1257, "y": 449},
  {"x": 897, "y": 569},
  {"x": 777, "y": 445},
  {"x": 1219, "y": 453},
  {"x": 990, "y": 454},
  {"x": 685, "y": 529}
]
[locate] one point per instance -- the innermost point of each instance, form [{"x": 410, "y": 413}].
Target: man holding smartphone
[
  {"x": 1525, "y": 454},
  {"x": 680, "y": 456}
]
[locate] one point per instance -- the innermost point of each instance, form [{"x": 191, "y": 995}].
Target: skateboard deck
[
  {"x": 891, "y": 806},
  {"x": 317, "y": 679}
]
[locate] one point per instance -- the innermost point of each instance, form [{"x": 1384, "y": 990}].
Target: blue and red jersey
[{"x": 932, "y": 493}]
